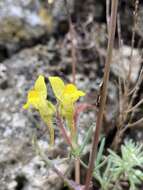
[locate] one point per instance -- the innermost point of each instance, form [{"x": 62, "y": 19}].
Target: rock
[
  {"x": 24, "y": 23},
  {"x": 59, "y": 10},
  {"x": 121, "y": 62},
  {"x": 21, "y": 23}
]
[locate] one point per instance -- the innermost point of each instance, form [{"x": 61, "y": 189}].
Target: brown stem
[
  {"x": 107, "y": 14},
  {"x": 103, "y": 92},
  {"x": 77, "y": 170},
  {"x": 137, "y": 87},
  {"x": 135, "y": 107},
  {"x": 73, "y": 48},
  {"x": 140, "y": 121},
  {"x": 133, "y": 39},
  {"x": 73, "y": 51}
]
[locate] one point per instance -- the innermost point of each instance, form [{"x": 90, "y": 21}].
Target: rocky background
[{"x": 35, "y": 39}]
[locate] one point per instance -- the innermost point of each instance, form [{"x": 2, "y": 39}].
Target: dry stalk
[
  {"x": 119, "y": 31},
  {"x": 135, "y": 107},
  {"x": 135, "y": 123},
  {"x": 120, "y": 41},
  {"x": 108, "y": 15},
  {"x": 128, "y": 96},
  {"x": 103, "y": 92},
  {"x": 73, "y": 48},
  {"x": 137, "y": 87},
  {"x": 133, "y": 37},
  {"x": 124, "y": 110}
]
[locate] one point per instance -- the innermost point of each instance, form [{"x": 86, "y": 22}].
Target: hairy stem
[
  {"x": 103, "y": 92},
  {"x": 64, "y": 133}
]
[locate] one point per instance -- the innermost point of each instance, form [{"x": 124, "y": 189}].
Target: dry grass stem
[
  {"x": 103, "y": 92},
  {"x": 133, "y": 37}
]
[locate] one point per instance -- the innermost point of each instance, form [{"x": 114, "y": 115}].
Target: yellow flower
[
  {"x": 37, "y": 98},
  {"x": 66, "y": 95}
]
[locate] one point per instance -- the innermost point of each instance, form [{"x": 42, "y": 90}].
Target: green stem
[{"x": 64, "y": 133}]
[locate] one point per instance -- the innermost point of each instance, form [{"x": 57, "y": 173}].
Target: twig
[
  {"x": 119, "y": 31},
  {"x": 103, "y": 92},
  {"x": 129, "y": 95},
  {"x": 121, "y": 94},
  {"x": 135, "y": 123},
  {"x": 137, "y": 86},
  {"x": 133, "y": 38},
  {"x": 130, "y": 125},
  {"x": 136, "y": 106},
  {"x": 73, "y": 49},
  {"x": 120, "y": 118},
  {"x": 107, "y": 14}
]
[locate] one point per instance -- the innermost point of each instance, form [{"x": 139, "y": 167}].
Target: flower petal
[
  {"x": 71, "y": 94},
  {"x": 40, "y": 86},
  {"x": 57, "y": 86},
  {"x": 33, "y": 99}
]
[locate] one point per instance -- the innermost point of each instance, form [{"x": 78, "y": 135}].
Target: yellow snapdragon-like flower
[
  {"x": 66, "y": 95},
  {"x": 37, "y": 98}
]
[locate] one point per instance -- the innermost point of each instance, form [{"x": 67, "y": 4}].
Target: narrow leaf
[
  {"x": 100, "y": 152},
  {"x": 86, "y": 139}
]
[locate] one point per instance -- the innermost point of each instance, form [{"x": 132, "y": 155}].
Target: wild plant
[
  {"x": 109, "y": 170},
  {"x": 122, "y": 171}
]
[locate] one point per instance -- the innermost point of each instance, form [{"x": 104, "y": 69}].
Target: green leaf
[
  {"x": 100, "y": 152},
  {"x": 86, "y": 139}
]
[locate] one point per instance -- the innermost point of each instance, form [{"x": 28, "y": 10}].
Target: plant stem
[
  {"x": 74, "y": 62},
  {"x": 133, "y": 39},
  {"x": 73, "y": 51},
  {"x": 69, "y": 142},
  {"x": 73, "y": 48},
  {"x": 77, "y": 159},
  {"x": 77, "y": 170},
  {"x": 64, "y": 133},
  {"x": 103, "y": 92}
]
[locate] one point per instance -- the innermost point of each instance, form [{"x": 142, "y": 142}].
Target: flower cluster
[{"x": 66, "y": 96}]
